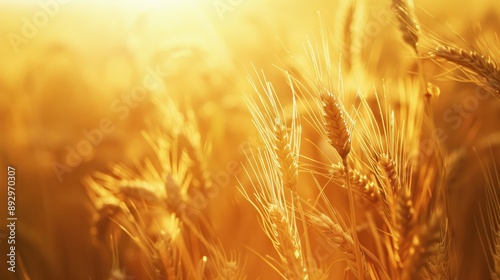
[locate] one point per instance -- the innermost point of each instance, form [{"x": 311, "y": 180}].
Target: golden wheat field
[{"x": 249, "y": 139}]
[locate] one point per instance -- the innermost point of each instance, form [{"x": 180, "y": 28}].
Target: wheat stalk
[
  {"x": 275, "y": 169},
  {"x": 339, "y": 137},
  {"x": 149, "y": 206}
]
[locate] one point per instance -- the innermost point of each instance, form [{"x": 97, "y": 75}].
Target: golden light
[{"x": 249, "y": 139}]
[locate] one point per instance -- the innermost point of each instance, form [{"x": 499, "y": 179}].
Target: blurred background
[{"x": 69, "y": 69}]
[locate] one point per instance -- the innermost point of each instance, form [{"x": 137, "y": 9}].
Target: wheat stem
[{"x": 357, "y": 247}]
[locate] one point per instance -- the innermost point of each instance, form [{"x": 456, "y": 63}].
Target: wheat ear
[
  {"x": 482, "y": 65},
  {"x": 339, "y": 238},
  {"x": 287, "y": 162},
  {"x": 422, "y": 247},
  {"x": 190, "y": 142},
  {"x": 439, "y": 262},
  {"x": 489, "y": 218},
  {"x": 348, "y": 34},
  {"x": 335, "y": 124},
  {"x": 230, "y": 270},
  {"x": 340, "y": 139},
  {"x": 389, "y": 167},
  {"x": 224, "y": 266},
  {"x": 137, "y": 189},
  {"x": 408, "y": 22},
  {"x": 360, "y": 182},
  {"x": 168, "y": 253},
  {"x": 289, "y": 243},
  {"x": 404, "y": 215}
]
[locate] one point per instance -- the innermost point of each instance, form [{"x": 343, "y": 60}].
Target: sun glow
[{"x": 249, "y": 139}]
